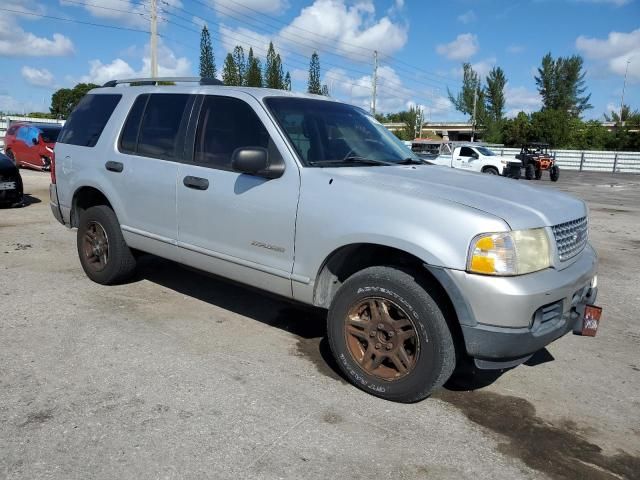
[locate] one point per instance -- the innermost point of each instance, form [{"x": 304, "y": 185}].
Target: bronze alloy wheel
[
  {"x": 382, "y": 338},
  {"x": 95, "y": 246}
]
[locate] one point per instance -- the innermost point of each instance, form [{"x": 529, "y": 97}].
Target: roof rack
[{"x": 156, "y": 80}]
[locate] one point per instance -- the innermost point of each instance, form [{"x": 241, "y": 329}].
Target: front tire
[
  {"x": 12, "y": 156},
  {"x": 104, "y": 255},
  {"x": 389, "y": 336},
  {"x": 491, "y": 171},
  {"x": 554, "y": 173},
  {"x": 529, "y": 171},
  {"x": 538, "y": 173}
]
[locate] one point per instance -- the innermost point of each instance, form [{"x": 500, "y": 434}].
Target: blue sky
[{"x": 421, "y": 43}]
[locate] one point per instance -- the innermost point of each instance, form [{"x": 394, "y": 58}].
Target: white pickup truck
[{"x": 471, "y": 156}]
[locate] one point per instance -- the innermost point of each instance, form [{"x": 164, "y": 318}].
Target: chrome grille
[{"x": 571, "y": 237}]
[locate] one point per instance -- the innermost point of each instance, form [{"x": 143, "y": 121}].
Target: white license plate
[{"x": 7, "y": 185}]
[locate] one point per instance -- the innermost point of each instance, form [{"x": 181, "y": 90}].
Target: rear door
[
  {"x": 144, "y": 167},
  {"x": 236, "y": 225}
]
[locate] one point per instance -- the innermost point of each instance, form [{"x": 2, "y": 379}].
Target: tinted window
[
  {"x": 226, "y": 124},
  {"x": 88, "y": 119},
  {"x": 466, "y": 152},
  {"x": 50, "y": 135},
  {"x": 129, "y": 137},
  {"x": 160, "y": 125}
]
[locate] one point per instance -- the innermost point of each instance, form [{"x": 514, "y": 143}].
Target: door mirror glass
[
  {"x": 34, "y": 141},
  {"x": 253, "y": 161}
]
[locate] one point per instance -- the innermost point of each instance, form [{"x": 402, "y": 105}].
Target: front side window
[
  {"x": 466, "y": 152},
  {"x": 226, "y": 124},
  {"x": 88, "y": 119},
  {"x": 49, "y": 135},
  {"x": 326, "y": 133}
]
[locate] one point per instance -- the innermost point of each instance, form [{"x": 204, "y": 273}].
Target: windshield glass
[
  {"x": 337, "y": 134},
  {"x": 485, "y": 151},
  {"x": 50, "y": 135}
]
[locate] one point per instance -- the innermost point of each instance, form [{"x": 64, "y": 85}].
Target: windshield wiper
[
  {"x": 352, "y": 159},
  {"x": 412, "y": 161}
]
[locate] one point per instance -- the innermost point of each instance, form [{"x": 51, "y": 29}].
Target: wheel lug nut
[
  {"x": 389, "y": 346},
  {"x": 378, "y": 346},
  {"x": 380, "y": 326},
  {"x": 372, "y": 333},
  {"x": 391, "y": 333}
]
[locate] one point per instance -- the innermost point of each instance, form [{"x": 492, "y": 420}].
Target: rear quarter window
[{"x": 88, "y": 119}]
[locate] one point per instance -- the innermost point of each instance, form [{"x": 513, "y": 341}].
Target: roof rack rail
[{"x": 157, "y": 80}]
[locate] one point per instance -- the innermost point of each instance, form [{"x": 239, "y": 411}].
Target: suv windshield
[
  {"x": 485, "y": 151},
  {"x": 50, "y": 135},
  {"x": 328, "y": 133}
]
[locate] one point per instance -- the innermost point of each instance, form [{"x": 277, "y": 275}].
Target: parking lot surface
[{"x": 181, "y": 375}]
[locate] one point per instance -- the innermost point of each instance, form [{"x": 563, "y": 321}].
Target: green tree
[
  {"x": 325, "y": 90},
  {"x": 287, "y": 81},
  {"x": 273, "y": 74},
  {"x": 230, "y": 71},
  {"x": 627, "y": 116},
  {"x": 254, "y": 71},
  {"x": 517, "y": 131},
  {"x": 241, "y": 64},
  {"x": 64, "y": 100},
  {"x": 494, "y": 93},
  {"x": 207, "y": 60},
  {"x": 561, "y": 84},
  {"x": 471, "y": 90},
  {"x": 313, "y": 85}
]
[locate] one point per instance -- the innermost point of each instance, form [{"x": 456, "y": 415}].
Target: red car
[{"x": 31, "y": 144}]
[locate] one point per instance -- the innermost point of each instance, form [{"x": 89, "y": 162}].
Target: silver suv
[{"x": 421, "y": 268}]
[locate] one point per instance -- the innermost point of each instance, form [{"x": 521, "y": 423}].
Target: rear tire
[
  {"x": 389, "y": 336},
  {"x": 554, "y": 173},
  {"x": 530, "y": 171},
  {"x": 104, "y": 255}
]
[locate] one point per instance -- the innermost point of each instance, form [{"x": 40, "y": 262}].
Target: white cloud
[
  {"x": 467, "y": 17},
  {"x": 235, "y": 7},
  {"x": 16, "y": 42},
  {"x": 614, "y": 52},
  {"x": 128, "y": 12},
  {"x": 521, "y": 99},
  {"x": 9, "y": 104},
  {"x": 515, "y": 48},
  {"x": 39, "y": 77},
  {"x": 168, "y": 66},
  {"x": 481, "y": 67},
  {"x": 462, "y": 48},
  {"x": 392, "y": 94},
  {"x": 330, "y": 25}
]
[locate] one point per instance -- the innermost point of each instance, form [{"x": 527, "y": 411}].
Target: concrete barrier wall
[{"x": 589, "y": 160}]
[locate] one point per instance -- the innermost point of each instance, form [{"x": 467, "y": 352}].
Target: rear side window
[
  {"x": 88, "y": 119},
  {"x": 160, "y": 125},
  {"x": 129, "y": 137}
]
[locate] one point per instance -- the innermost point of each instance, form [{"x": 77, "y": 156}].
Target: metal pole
[
  {"x": 473, "y": 123},
  {"x": 154, "y": 38},
  {"x": 374, "y": 81},
  {"x": 624, "y": 86},
  {"x": 581, "y": 160},
  {"x": 615, "y": 162}
]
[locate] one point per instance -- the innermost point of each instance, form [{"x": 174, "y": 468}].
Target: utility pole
[
  {"x": 624, "y": 86},
  {"x": 154, "y": 38},
  {"x": 473, "y": 122},
  {"x": 374, "y": 81}
]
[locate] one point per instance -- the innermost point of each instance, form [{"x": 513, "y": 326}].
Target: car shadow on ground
[{"x": 307, "y": 323}]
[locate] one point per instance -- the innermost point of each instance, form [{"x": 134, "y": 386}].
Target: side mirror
[
  {"x": 35, "y": 141},
  {"x": 475, "y": 155},
  {"x": 255, "y": 161}
]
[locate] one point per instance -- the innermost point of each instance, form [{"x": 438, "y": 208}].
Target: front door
[
  {"x": 237, "y": 225},
  {"x": 462, "y": 157}
]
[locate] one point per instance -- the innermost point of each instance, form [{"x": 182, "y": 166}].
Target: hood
[
  {"x": 517, "y": 202},
  {"x": 507, "y": 159},
  {"x": 6, "y": 165}
]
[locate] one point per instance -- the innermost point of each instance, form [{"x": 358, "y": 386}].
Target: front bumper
[{"x": 506, "y": 318}]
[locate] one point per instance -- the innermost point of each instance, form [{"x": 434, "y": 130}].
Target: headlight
[{"x": 510, "y": 253}]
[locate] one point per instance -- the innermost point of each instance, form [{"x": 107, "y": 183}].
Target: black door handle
[
  {"x": 114, "y": 166},
  {"x": 196, "y": 182}
]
